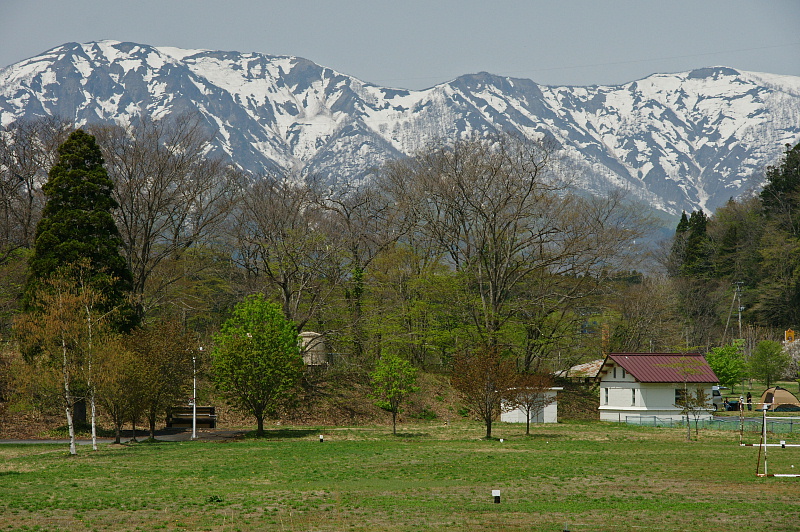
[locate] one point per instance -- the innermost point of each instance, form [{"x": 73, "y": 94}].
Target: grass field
[{"x": 589, "y": 476}]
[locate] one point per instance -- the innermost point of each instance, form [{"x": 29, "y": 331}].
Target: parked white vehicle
[{"x": 716, "y": 397}]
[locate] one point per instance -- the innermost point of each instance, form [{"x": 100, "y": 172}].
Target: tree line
[
  {"x": 736, "y": 273},
  {"x": 471, "y": 249}
]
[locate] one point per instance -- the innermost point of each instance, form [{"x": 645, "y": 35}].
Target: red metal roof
[{"x": 664, "y": 367}]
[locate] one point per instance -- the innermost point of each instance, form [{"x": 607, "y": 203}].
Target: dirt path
[{"x": 161, "y": 435}]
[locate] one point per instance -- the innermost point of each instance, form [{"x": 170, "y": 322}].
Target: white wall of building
[
  {"x": 548, "y": 415},
  {"x": 621, "y": 397}
]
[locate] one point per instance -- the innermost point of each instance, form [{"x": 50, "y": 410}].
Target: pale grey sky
[{"x": 416, "y": 44}]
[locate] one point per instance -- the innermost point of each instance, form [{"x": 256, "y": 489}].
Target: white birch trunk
[
  {"x": 89, "y": 384},
  {"x": 94, "y": 427},
  {"x": 68, "y": 399},
  {"x": 72, "y": 449}
]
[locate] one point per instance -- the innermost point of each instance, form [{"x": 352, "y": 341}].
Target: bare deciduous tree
[
  {"x": 283, "y": 238},
  {"x": 172, "y": 195},
  {"x": 366, "y": 222},
  {"x": 648, "y": 318},
  {"x": 517, "y": 234},
  {"x": 117, "y": 383},
  {"x": 485, "y": 379},
  {"x": 27, "y": 151},
  {"x": 481, "y": 201},
  {"x": 163, "y": 368},
  {"x": 690, "y": 403},
  {"x": 695, "y": 404}
]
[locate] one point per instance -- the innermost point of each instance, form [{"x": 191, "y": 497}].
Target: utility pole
[{"x": 739, "y": 302}]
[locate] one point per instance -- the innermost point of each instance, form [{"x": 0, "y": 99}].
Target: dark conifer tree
[
  {"x": 678, "y": 252},
  {"x": 692, "y": 267},
  {"x": 691, "y": 248},
  {"x": 683, "y": 225},
  {"x": 77, "y": 225},
  {"x": 781, "y": 195},
  {"x": 778, "y": 296},
  {"x": 697, "y": 259}
]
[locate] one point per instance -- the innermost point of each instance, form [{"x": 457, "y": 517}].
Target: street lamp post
[{"x": 194, "y": 396}]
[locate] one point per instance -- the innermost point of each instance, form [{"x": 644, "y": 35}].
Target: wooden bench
[{"x": 180, "y": 417}]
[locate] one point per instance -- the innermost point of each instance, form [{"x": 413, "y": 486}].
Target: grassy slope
[
  {"x": 341, "y": 399},
  {"x": 334, "y": 398}
]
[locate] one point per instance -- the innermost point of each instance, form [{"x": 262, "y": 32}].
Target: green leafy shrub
[{"x": 425, "y": 413}]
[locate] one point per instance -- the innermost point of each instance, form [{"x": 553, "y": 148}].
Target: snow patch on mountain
[{"x": 676, "y": 141}]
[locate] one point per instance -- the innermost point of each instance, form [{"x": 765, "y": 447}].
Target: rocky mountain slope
[{"x": 676, "y": 141}]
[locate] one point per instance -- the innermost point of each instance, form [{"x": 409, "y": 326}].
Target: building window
[
  {"x": 606, "y": 389},
  {"x": 680, "y": 395},
  {"x": 633, "y": 397},
  {"x": 623, "y": 373},
  {"x": 615, "y": 372}
]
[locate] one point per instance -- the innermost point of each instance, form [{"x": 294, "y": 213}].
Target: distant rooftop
[{"x": 585, "y": 370}]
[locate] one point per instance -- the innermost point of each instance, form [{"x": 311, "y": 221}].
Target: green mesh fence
[{"x": 734, "y": 424}]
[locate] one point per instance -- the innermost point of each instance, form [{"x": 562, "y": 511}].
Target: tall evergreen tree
[
  {"x": 683, "y": 224},
  {"x": 77, "y": 225},
  {"x": 778, "y": 300},
  {"x": 677, "y": 254},
  {"x": 697, "y": 261},
  {"x": 736, "y": 230},
  {"x": 781, "y": 195},
  {"x": 691, "y": 248},
  {"x": 690, "y": 264}
]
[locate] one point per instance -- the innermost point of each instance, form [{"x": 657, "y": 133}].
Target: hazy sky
[{"x": 418, "y": 43}]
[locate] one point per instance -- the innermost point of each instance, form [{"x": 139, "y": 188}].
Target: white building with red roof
[{"x": 633, "y": 385}]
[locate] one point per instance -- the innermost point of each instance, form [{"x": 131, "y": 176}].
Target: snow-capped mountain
[{"x": 677, "y": 141}]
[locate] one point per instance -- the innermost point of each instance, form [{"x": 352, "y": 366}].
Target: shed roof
[{"x": 663, "y": 367}]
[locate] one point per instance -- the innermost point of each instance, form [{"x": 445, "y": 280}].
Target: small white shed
[
  {"x": 549, "y": 414},
  {"x": 313, "y": 348}
]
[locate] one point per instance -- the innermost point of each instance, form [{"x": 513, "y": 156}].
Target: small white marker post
[
  {"x": 496, "y": 495},
  {"x": 321, "y": 439},
  {"x": 501, "y": 440}
]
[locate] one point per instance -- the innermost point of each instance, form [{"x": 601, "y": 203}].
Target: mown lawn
[{"x": 590, "y": 476}]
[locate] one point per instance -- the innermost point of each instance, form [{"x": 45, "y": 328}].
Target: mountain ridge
[{"x": 677, "y": 141}]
